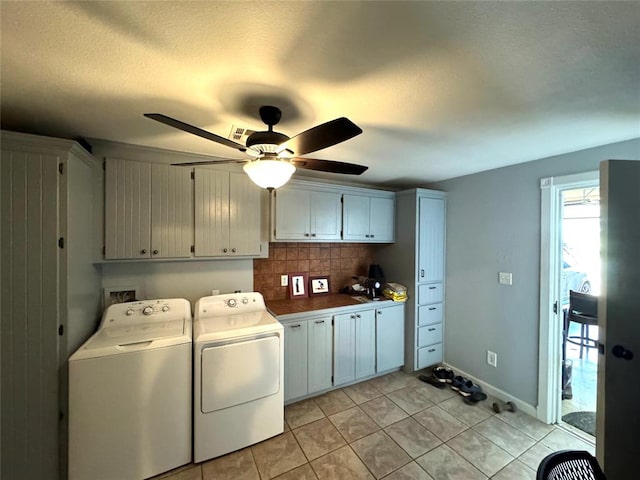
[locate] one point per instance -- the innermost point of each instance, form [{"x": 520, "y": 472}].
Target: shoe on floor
[
  {"x": 431, "y": 380},
  {"x": 475, "y": 397},
  {"x": 468, "y": 388},
  {"x": 443, "y": 374},
  {"x": 457, "y": 382}
]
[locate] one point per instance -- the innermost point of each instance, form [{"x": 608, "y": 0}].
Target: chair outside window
[
  {"x": 569, "y": 465},
  {"x": 583, "y": 309}
]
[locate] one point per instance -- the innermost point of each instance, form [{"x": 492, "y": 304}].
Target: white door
[
  {"x": 319, "y": 358},
  {"x": 325, "y": 216},
  {"x": 211, "y": 212},
  {"x": 365, "y": 343},
  {"x": 292, "y": 214},
  {"x": 382, "y": 219},
  {"x": 295, "y": 360},
  {"x": 618, "y": 420},
  {"x": 389, "y": 337},
  {"x": 431, "y": 240},
  {"x": 344, "y": 333},
  {"x": 355, "y": 221},
  {"x": 244, "y": 215}
]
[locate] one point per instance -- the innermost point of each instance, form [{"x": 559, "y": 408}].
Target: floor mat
[{"x": 585, "y": 421}]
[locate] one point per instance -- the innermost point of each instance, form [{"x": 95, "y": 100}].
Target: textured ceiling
[{"x": 441, "y": 89}]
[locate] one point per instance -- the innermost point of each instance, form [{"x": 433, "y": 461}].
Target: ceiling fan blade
[
  {"x": 330, "y": 166},
  {"x": 185, "y": 127},
  {"x": 321, "y": 136},
  {"x": 208, "y": 162}
]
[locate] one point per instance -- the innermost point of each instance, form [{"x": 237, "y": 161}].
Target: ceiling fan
[{"x": 275, "y": 156}]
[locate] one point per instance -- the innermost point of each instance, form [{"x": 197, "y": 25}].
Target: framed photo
[
  {"x": 298, "y": 285},
  {"x": 319, "y": 285}
]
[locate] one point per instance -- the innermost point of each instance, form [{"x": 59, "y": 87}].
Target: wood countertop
[{"x": 323, "y": 302}]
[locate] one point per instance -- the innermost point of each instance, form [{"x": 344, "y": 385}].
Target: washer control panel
[{"x": 146, "y": 311}]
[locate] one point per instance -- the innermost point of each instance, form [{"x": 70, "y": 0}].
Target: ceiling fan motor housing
[{"x": 265, "y": 141}]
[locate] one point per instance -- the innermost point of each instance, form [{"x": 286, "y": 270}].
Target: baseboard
[{"x": 496, "y": 392}]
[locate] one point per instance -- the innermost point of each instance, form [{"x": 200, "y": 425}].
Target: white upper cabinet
[
  {"x": 312, "y": 212},
  {"x": 304, "y": 214},
  {"x": 148, "y": 210},
  {"x": 368, "y": 218},
  {"x": 227, "y": 214}
]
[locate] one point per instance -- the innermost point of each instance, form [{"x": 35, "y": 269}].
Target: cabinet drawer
[
  {"x": 431, "y": 293},
  {"x": 429, "y": 335},
  {"x": 429, "y": 355},
  {"x": 429, "y": 314}
]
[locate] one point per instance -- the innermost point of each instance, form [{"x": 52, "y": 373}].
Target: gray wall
[{"x": 493, "y": 225}]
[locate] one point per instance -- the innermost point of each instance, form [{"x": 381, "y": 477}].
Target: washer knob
[
  {"x": 165, "y": 308},
  {"x": 232, "y": 302},
  {"x": 148, "y": 310},
  {"x": 245, "y": 300},
  {"x": 129, "y": 312}
]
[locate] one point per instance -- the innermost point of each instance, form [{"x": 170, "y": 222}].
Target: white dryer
[
  {"x": 130, "y": 393},
  {"x": 238, "y": 374}
]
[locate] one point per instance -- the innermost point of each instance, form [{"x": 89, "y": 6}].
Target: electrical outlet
[
  {"x": 284, "y": 280},
  {"x": 492, "y": 358},
  {"x": 505, "y": 278},
  {"x": 215, "y": 292}
]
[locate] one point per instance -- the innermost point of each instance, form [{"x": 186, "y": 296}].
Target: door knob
[{"x": 620, "y": 352}]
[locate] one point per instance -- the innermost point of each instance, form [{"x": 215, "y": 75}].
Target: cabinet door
[
  {"x": 211, "y": 213},
  {"x": 344, "y": 361},
  {"x": 382, "y": 220},
  {"x": 292, "y": 214},
  {"x": 295, "y": 360},
  {"x": 355, "y": 217},
  {"x": 171, "y": 212},
  {"x": 325, "y": 215},
  {"x": 389, "y": 337},
  {"x": 319, "y": 359},
  {"x": 431, "y": 240},
  {"x": 244, "y": 215},
  {"x": 365, "y": 343},
  {"x": 127, "y": 209}
]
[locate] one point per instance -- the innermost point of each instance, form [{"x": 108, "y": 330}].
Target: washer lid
[
  {"x": 129, "y": 334},
  {"x": 239, "y": 321}
]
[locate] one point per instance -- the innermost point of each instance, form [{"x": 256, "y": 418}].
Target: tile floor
[{"x": 394, "y": 427}]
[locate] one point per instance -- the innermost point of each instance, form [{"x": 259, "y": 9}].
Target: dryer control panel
[{"x": 229, "y": 304}]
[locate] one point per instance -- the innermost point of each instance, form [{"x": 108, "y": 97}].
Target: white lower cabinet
[
  {"x": 354, "y": 346},
  {"x": 307, "y": 356},
  {"x": 389, "y": 337}
]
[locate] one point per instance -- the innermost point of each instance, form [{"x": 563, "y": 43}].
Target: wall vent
[{"x": 240, "y": 134}]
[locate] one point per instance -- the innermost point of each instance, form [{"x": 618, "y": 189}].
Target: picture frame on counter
[
  {"x": 298, "y": 285},
  {"x": 319, "y": 285}
]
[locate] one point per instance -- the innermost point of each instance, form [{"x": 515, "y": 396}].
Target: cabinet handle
[
  {"x": 233, "y": 250},
  {"x": 372, "y": 236},
  {"x": 432, "y": 329},
  {"x": 431, "y": 350},
  {"x": 367, "y": 235},
  {"x": 432, "y": 288},
  {"x": 296, "y": 326},
  {"x": 155, "y": 252},
  {"x": 224, "y": 250},
  {"x": 319, "y": 322},
  {"x": 379, "y": 312},
  {"x": 313, "y": 234},
  {"x": 432, "y": 308},
  {"x": 358, "y": 316},
  {"x": 422, "y": 273},
  {"x": 306, "y": 234},
  {"x": 353, "y": 317},
  {"x": 143, "y": 251}
]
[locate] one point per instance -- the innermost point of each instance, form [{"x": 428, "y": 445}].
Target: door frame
[{"x": 550, "y": 358}]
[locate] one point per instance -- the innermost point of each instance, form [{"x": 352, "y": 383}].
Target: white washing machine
[
  {"x": 130, "y": 393},
  {"x": 238, "y": 356}
]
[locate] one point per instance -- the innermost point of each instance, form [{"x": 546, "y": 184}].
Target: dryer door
[{"x": 234, "y": 373}]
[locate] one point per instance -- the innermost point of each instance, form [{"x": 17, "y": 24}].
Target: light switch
[
  {"x": 284, "y": 280},
  {"x": 505, "y": 278}
]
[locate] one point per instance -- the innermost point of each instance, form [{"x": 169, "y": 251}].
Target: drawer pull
[
  {"x": 319, "y": 322},
  {"x": 358, "y": 316},
  {"x": 431, "y": 350},
  {"x": 296, "y": 326},
  {"x": 422, "y": 273},
  {"x": 432, "y": 329},
  {"x": 432, "y": 288},
  {"x": 432, "y": 308}
]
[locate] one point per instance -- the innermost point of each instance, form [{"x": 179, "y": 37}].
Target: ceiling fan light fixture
[{"x": 269, "y": 174}]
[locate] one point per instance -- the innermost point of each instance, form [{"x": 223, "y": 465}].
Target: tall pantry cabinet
[
  {"x": 50, "y": 293},
  {"x": 416, "y": 260}
]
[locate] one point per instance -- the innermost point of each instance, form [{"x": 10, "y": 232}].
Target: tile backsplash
[{"x": 340, "y": 261}]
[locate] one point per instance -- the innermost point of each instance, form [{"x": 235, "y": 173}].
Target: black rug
[{"x": 585, "y": 421}]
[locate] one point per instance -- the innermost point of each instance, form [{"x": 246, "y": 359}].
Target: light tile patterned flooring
[{"x": 394, "y": 427}]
